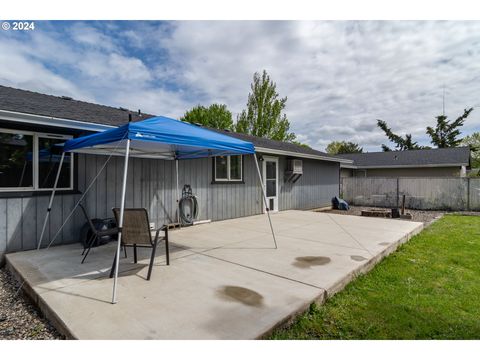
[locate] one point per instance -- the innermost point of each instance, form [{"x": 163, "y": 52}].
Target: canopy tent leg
[
  {"x": 178, "y": 194},
  {"x": 51, "y": 201},
  {"x": 265, "y": 198},
  {"x": 120, "y": 225}
]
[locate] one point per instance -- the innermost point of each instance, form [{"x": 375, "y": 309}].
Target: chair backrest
[
  {"x": 92, "y": 227},
  {"x": 136, "y": 227}
]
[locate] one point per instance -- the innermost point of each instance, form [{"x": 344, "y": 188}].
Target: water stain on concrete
[
  {"x": 305, "y": 262},
  {"x": 358, "y": 258},
  {"x": 242, "y": 295},
  {"x": 384, "y": 243}
]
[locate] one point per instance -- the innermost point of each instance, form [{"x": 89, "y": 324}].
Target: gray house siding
[
  {"x": 315, "y": 188},
  {"x": 21, "y": 219}
]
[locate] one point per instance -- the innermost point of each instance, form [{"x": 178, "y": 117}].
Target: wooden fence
[{"x": 420, "y": 193}]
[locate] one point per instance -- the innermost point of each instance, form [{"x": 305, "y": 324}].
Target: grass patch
[{"x": 428, "y": 289}]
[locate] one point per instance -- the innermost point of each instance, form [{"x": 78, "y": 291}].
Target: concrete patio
[{"x": 225, "y": 279}]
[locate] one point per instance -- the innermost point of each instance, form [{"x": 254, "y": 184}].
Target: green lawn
[{"x": 428, "y": 289}]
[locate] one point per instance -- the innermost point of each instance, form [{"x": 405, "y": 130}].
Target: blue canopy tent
[{"x": 160, "y": 138}]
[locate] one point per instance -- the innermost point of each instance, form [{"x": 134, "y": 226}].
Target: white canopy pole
[
  {"x": 51, "y": 201},
  {"x": 265, "y": 198},
  {"x": 178, "y": 194},
  {"x": 122, "y": 210}
]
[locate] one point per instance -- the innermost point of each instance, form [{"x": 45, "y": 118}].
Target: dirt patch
[{"x": 305, "y": 262}]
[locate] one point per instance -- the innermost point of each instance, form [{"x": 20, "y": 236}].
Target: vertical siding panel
[
  {"x": 206, "y": 169},
  {"x": 41, "y": 211},
  {"x": 81, "y": 172},
  {"x": 212, "y": 204},
  {"x": 168, "y": 203},
  {"x": 118, "y": 180},
  {"x": 161, "y": 192},
  {"x": 111, "y": 176},
  {"x": 138, "y": 187},
  {"x": 129, "y": 196},
  {"x": 56, "y": 221},
  {"x": 91, "y": 197},
  {"x": 69, "y": 234},
  {"x": 29, "y": 228},
  {"x": 14, "y": 225},
  {"x": 77, "y": 219},
  {"x": 248, "y": 178},
  {"x": 101, "y": 187},
  {"x": 169, "y": 190},
  {"x": 152, "y": 200}
]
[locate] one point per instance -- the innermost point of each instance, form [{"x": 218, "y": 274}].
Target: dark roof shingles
[
  {"x": 444, "y": 156},
  {"x": 30, "y": 102}
]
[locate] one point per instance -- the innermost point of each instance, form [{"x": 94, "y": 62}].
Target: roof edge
[
  {"x": 47, "y": 120},
  {"x": 302, "y": 155},
  {"x": 405, "y": 166}
]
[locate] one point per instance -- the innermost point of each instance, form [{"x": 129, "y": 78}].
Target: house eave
[
  {"x": 404, "y": 166},
  {"x": 301, "y": 155},
  {"x": 51, "y": 121}
]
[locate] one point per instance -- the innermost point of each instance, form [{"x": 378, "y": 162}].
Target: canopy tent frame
[{"x": 128, "y": 154}]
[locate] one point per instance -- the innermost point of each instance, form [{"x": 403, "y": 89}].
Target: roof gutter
[
  {"x": 51, "y": 121},
  {"x": 302, "y": 155},
  {"x": 404, "y": 166}
]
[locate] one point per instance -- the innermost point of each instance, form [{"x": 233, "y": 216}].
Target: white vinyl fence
[{"x": 420, "y": 193}]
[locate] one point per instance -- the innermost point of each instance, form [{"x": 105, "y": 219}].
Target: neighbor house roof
[
  {"x": 62, "y": 108},
  {"x": 411, "y": 158}
]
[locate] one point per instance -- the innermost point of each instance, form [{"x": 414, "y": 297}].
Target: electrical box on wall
[{"x": 294, "y": 170}]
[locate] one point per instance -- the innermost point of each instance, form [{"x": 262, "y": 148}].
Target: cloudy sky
[{"x": 339, "y": 77}]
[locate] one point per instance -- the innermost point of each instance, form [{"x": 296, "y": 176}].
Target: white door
[{"x": 270, "y": 179}]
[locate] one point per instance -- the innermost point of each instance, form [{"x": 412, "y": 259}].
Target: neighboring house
[
  {"x": 33, "y": 124},
  {"x": 446, "y": 162}
]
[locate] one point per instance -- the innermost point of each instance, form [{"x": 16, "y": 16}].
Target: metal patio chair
[
  {"x": 96, "y": 234},
  {"x": 136, "y": 233}
]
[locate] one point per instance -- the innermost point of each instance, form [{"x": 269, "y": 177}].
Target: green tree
[
  {"x": 343, "y": 147},
  {"x": 446, "y": 133},
  {"x": 473, "y": 141},
  {"x": 215, "y": 116},
  {"x": 263, "y": 116},
  {"x": 401, "y": 143}
]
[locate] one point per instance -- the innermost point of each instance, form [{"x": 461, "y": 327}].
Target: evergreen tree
[
  {"x": 401, "y": 143},
  {"x": 446, "y": 133},
  {"x": 263, "y": 116}
]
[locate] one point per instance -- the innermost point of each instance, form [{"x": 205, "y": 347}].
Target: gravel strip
[
  {"x": 19, "y": 319},
  {"x": 417, "y": 215},
  {"x": 425, "y": 216}
]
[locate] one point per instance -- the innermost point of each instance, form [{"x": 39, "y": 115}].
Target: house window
[
  {"x": 29, "y": 161},
  {"x": 228, "y": 168}
]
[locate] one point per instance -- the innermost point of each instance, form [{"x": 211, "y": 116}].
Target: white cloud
[{"x": 339, "y": 76}]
